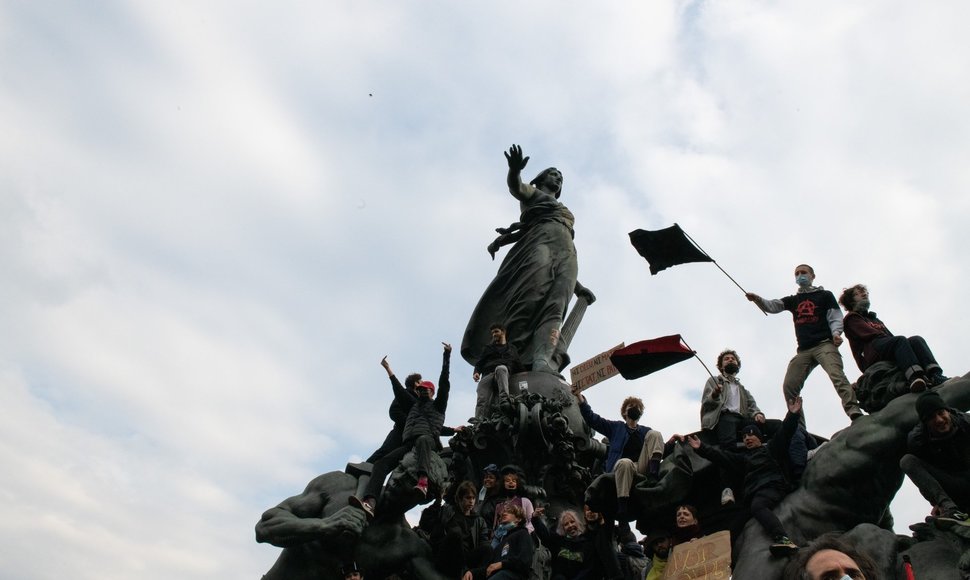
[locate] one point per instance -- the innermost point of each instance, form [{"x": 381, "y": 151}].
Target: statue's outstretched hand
[{"x": 516, "y": 161}]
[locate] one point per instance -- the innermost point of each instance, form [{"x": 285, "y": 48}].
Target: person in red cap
[
  {"x": 424, "y": 425},
  {"x": 938, "y": 461}
]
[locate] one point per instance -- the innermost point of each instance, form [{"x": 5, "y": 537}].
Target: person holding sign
[{"x": 687, "y": 528}]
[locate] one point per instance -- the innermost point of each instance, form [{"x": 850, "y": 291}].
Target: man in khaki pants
[{"x": 633, "y": 449}]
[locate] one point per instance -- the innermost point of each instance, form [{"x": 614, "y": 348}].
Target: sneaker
[
  {"x": 422, "y": 485},
  {"x": 937, "y": 379},
  {"x": 727, "y": 496},
  {"x": 917, "y": 385},
  {"x": 782, "y": 546},
  {"x": 365, "y": 504},
  {"x": 811, "y": 452},
  {"x": 952, "y": 518}
]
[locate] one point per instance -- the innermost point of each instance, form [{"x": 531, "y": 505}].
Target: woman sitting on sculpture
[{"x": 537, "y": 278}]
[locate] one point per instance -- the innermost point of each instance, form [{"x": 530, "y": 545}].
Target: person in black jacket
[
  {"x": 459, "y": 536},
  {"x": 499, "y": 360},
  {"x": 763, "y": 466},
  {"x": 578, "y": 553},
  {"x": 424, "y": 425},
  {"x": 398, "y": 411},
  {"x": 512, "y": 550},
  {"x": 938, "y": 461}
]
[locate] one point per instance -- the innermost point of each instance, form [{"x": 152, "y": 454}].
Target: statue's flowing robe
[{"x": 533, "y": 286}]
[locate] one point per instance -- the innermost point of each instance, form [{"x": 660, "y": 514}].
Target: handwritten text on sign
[{"x": 707, "y": 558}]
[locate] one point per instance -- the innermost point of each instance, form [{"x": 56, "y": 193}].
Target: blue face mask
[{"x": 803, "y": 280}]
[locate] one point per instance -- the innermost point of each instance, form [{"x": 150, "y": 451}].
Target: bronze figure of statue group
[{"x": 536, "y": 484}]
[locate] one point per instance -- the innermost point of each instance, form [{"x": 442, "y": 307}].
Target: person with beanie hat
[
  {"x": 938, "y": 458},
  {"x": 765, "y": 484}
]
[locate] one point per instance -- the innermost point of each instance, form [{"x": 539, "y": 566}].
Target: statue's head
[{"x": 550, "y": 180}]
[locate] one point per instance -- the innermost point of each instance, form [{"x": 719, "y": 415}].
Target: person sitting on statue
[
  {"x": 763, "y": 466},
  {"x": 498, "y": 361},
  {"x": 938, "y": 458},
  {"x": 398, "y": 411},
  {"x": 513, "y": 487},
  {"x": 725, "y": 406},
  {"x": 687, "y": 527},
  {"x": 512, "y": 550},
  {"x": 871, "y": 342},
  {"x": 424, "y": 425},
  {"x": 633, "y": 448}
]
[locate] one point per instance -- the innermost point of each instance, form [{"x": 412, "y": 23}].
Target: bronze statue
[{"x": 537, "y": 279}]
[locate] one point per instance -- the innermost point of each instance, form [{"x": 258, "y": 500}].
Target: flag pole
[
  {"x": 697, "y": 357},
  {"x": 725, "y": 273}
]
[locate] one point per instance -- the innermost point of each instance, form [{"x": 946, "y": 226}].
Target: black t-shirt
[
  {"x": 634, "y": 444},
  {"x": 809, "y": 311}
]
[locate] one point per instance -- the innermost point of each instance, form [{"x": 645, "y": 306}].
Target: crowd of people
[{"x": 490, "y": 528}]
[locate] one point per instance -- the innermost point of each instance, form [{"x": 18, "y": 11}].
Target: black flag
[{"x": 667, "y": 247}]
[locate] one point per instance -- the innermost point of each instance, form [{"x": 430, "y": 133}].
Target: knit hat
[
  {"x": 490, "y": 468},
  {"x": 350, "y": 568},
  {"x": 425, "y": 385},
  {"x": 928, "y": 403},
  {"x": 752, "y": 430}
]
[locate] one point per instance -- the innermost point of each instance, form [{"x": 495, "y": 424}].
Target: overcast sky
[{"x": 217, "y": 217}]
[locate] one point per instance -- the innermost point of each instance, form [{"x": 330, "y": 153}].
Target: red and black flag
[
  {"x": 667, "y": 247},
  {"x": 648, "y": 356}
]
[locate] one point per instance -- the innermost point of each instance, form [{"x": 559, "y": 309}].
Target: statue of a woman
[{"x": 537, "y": 278}]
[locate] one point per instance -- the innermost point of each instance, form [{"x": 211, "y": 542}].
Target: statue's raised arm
[{"x": 517, "y": 163}]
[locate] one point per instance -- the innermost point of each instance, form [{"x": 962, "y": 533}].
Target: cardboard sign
[
  {"x": 595, "y": 370},
  {"x": 707, "y": 558}
]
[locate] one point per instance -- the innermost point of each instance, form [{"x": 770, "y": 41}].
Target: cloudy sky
[{"x": 217, "y": 217}]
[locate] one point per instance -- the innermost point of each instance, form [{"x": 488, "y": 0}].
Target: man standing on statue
[
  {"x": 726, "y": 406},
  {"x": 818, "y": 331},
  {"x": 498, "y": 361}
]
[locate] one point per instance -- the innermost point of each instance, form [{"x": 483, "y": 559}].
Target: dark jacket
[
  {"x": 764, "y": 466},
  {"x": 616, "y": 431},
  {"x": 950, "y": 452},
  {"x": 400, "y": 406},
  {"x": 427, "y": 417},
  {"x": 862, "y": 330},
  {"x": 589, "y": 556},
  {"x": 494, "y": 355},
  {"x": 515, "y": 552}
]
